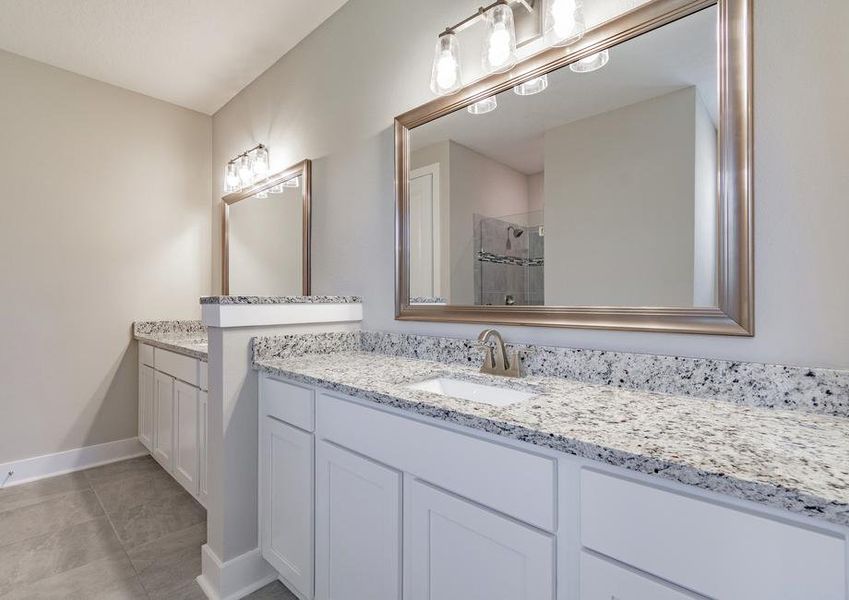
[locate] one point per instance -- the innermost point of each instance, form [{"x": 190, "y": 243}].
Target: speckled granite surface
[
  {"x": 281, "y": 300},
  {"x": 184, "y": 337},
  {"x": 789, "y": 459},
  {"x": 822, "y": 391}
]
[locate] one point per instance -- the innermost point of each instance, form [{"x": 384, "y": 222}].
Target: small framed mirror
[
  {"x": 266, "y": 236},
  {"x": 602, "y": 185}
]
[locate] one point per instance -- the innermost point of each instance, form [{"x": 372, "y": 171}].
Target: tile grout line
[{"x": 117, "y": 537}]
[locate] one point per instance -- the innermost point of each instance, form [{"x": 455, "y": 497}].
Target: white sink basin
[{"x": 476, "y": 392}]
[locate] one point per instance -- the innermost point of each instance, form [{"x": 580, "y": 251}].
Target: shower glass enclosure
[{"x": 509, "y": 259}]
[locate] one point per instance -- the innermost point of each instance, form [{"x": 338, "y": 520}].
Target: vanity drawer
[
  {"x": 712, "y": 549},
  {"x": 516, "y": 483},
  {"x": 146, "y": 354},
  {"x": 181, "y": 367},
  {"x": 603, "y": 580},
  {"x": 290, "y": 403}
]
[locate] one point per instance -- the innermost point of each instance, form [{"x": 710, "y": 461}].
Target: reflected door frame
[{"x": 432, "y": 170}]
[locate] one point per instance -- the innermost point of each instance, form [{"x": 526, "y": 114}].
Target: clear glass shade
[
  {"x": 563, "y": 22},
  {"x": 231, "y": 177},
  {"x": 246, "y": 171},
  {"x": 260, "y": 164},
  {"x": 591, "y": 63},
  {"x": 499, "y": 48},
  {"x": 445, "y": 77},
  {"x": 484, "y": 106},
  {"x": 532, "y": 86}
]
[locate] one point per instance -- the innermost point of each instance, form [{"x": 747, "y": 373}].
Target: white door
[
  {"x": 186, "y": 438},
  {"x": 286, "y": 502},
  {"x": 424, "y": 232},
  {"x": 456, "y": 550},
  {"x": 358, "y": 529},
  {"x": 146, "y": 399},
  {"x": 163, "y": 430},
  {"x": 203, "y": 437}
]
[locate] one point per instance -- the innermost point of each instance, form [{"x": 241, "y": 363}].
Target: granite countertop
[
  {"x": 183, "y": 337},
  {"x": 281, "y": 300},
  {"x": 789, "y": 459}
]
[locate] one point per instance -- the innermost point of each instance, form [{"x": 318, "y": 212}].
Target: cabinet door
[
  {"x": 286, "y": 502},
  {"x": 163, "y": 429},
  {"x": 186, "y": 439},
  {"x": 358, "y": 531},
  {"x": 603, "y": 580},
  {"x": 146, "y": 396},
  {"x": 203, "y": 437},
  {"x": 457, "y": 550}
]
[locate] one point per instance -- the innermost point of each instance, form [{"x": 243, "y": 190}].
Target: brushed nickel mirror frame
[
  {"x": 302, "y": 169},
  {"x": 735, "y": 312}
]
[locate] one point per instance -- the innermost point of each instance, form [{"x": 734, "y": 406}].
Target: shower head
[{"x": 517, "y": 233}]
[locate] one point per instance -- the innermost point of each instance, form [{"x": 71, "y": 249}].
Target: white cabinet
[
  {"x": 173, "y": 416},
  {"x": 286, "y": 502},
  {"x": 146, "y": 400},
  {"x": 186, "y": 438},
  {"x": 203, "y": 443},
  {"x": 456, "y": 549},
  {"x": 358, "y": 527},
  {"x": 163, "y": 434}
]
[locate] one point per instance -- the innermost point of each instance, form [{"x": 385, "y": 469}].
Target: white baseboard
[
  {"x": 59, "y": 463},
  {"x": 235, "y": 578}
]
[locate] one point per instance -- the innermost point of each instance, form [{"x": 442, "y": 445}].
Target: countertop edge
[
  {"x": 766, "y": 494},
  {"x": 173, "y": 347}
]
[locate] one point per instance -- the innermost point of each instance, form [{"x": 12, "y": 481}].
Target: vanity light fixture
[
  {"x": 481, "y": 107},
  {"x": 563, "y": 22},
  {"x": 292, "y": 183},
  {"x": 591, "y": 63},
  {"x": 445, "y": 78},
  {"x": 532, "y": 86},
  {"x": 246, "y": 169}
]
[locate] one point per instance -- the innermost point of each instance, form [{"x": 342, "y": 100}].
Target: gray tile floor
[{"x": 122, "y": 531}]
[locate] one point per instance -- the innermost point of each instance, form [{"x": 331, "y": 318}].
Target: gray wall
[
  {"x": 333, "y": 99},
  {"x": 106, "y": 220},
  {"x": 619, "y": 204}
]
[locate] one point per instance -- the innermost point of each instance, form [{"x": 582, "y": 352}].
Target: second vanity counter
[
  {"x": 788, "y": 459},
  {"x": 183, "y": 337}
]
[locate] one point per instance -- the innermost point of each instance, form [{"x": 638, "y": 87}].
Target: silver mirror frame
[{"x": 735, "y": 312}]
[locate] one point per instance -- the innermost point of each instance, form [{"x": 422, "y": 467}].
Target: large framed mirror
[
  {"x": 614, "y": 198},
  {"x": 266, "y": 236}
]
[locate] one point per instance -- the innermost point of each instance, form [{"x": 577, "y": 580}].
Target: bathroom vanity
[
  {"x": 173, "y": 399},
  {"x": 373, "y": 486}
]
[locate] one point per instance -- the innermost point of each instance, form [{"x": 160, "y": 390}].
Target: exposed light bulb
[
  {"x": 246, "y": 173},
  {"x": 591, "y": 63},
  {"x": 499, "y": 46},
  {"x": 499, "y": 52},
  {"x": 481, "y": 107},
  {"x": 445, "y": 76},
  {"x": 564, "y": 22},
  {"x": 532, "y": 86}
]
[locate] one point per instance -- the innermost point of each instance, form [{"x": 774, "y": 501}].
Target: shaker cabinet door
[
  {"x": 186, "y": 436},
  {"x": 286, "y": 502},
  {"x": 146, "y": 399},
  {"x": 457, "y": 550},
  {"x": 358, "y": 527},
  {"x": 163, "y": 432}
]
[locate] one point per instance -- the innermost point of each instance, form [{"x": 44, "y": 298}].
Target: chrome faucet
[{"x": 496, "y": 361}]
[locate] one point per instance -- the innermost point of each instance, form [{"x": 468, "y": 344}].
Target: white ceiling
[
  {"x": 679, "y": 55},
  {"x": 194, "y": 53}
]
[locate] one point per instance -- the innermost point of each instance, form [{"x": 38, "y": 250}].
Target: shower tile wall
[{"x": 502, "y": 272}]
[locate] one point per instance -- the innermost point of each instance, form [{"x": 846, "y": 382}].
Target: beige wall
[
  {"x": 105, "y": 220},
  {"x": 619, "y": 204},
  {"x": 333, "y": 98}
]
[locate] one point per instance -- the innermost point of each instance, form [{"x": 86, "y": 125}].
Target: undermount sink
[{"x": 476, "y": 392}]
